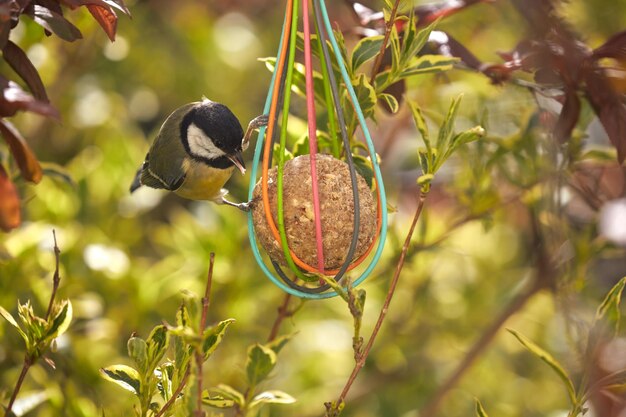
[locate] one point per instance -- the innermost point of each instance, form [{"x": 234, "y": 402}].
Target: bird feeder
[{"x": 314, "y": 215}]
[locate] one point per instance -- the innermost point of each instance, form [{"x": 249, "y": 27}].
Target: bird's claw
[
  {"x": 254, "y": 124},
  {"x": 245, "y": 207}
]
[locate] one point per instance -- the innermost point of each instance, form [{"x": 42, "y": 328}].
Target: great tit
[{"x": 196, "y": 151}]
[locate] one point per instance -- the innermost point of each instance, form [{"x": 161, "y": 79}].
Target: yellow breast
[{"x": 203, "y": 182}]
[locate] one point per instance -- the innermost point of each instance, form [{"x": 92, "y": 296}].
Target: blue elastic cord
[{"x": 379, "y": 180}]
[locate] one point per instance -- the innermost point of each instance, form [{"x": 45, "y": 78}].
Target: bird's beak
[{"x": 237, "y": 159}]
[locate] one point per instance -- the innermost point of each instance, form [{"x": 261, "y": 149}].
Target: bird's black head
[{"x": 211, "y": 133}]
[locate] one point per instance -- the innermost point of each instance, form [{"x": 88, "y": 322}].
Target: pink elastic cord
[{"x": 310, "y": 102}]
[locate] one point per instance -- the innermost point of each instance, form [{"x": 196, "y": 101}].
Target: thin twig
[
  {"x": 199, "y": 354},
  {"x": 28, "y": 359},
  {"x": 56, "y": 279},
  {"x": 283, "y": 313},
  {"x": 379, "y": 58},
  {"x": 27, "y": 363},
  {"x": 178, "y": 391},
  {"x": 383, "y": 312}
]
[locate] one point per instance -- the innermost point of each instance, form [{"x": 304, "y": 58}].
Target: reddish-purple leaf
[
  {"x": 10, "y": 216},
  {"x": 615, "y": 47},
  {"x": 14, "y": 99},
  {"x": 610, "y": 110},
  {"x": 116, "y": 4},
  {"x": 23, "y": 155},
  {"x": 106, "y": 18},
  {"x": 568, "y": 118},
  {"x": 54, "y": 22},
  {"x": 430, "y": 12},
  {"x": 20, "y": 63}
]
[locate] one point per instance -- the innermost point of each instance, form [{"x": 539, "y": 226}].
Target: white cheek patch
[{"x": 201, "y": 145}]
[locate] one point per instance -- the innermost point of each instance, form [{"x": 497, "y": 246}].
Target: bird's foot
[
  {"x": 254, "y": 124},
  {"x": 245, "y": 207}
]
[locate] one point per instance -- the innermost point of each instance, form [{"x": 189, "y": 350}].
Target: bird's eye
[{"x": 218, "y": 143}]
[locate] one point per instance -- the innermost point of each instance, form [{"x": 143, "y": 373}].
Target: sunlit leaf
[
  {"x": 29, "y": 401},
  {"x": 390, "y": 102},
  {"x": 272, "y": 397},
  {"x": 8, "y": 317},
  {"x": 24, "y": 156},
  {"x": 610, "y": 306},
  {"x": 480, "y": 411},
  {"x": 138, "y": 352},
  {"x": 261, "y": 361},
  {"x": 427, "y": 64},
  {"x": 124, "y": 376},
  {"x": 548, "y": 359},
  {"x": 106, "y": 18},
  {"x": 216, "y": 400},
  {"x": 13, "y": 99},
  {"x": 62, "y": 317},
  {"x": 277, "y": 344},
  {"x": 157, "y": 343},
  {"x": 227, "y": 392},
  {"x": 118, "y": 4},
  {"x": 213, "y": 337}
]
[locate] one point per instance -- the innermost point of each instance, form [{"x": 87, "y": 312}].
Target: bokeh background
[{"x": 127, "y": 260}]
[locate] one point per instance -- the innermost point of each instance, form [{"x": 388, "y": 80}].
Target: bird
[{"x": 196, "y": 151}]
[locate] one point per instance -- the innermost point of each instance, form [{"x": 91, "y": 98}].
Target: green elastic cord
[{"x": 283, "y": 140}]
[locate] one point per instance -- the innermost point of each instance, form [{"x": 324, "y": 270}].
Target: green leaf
[
  {"x": 57, "y": 172},
  {"x": 299, "y": 79},
  {"x": 157, "y": 346},
  {"x": 548, "y": 359},
  {"x": 428, "y": 64},
  {"x": 390, "y": 100},
  {"x": 272, "y": 397},
  {"x": 216, "y": 400},
  {"x": 365, "y": 94},
  {"x": 213, "y": 337},
  {"x": 182, "y": 316},
  {"x": 8, "y": 317},
  {"x": 124, "y": 376},
  {"x": 425, "y": 179},
  {"x": 261, "y": 361},
  {"x": 480, "y": 411},
  {"x": 277, "y": 344},
  {"x": 422, "y": 127},
  {"x": 229, "y": 393},
  {"x": 138, "y": 352},
  {"x": 396, "y": 50},
  {"x": 414, "y": 41},
  {"x": 61, "y": 319},
  {"x": 365, "y": 49},
  {"x": 445, "y": 131},
  {"x": 610, "y": 306}
]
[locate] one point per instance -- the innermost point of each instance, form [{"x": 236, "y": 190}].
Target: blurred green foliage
[{"x": 128, "y": 261}]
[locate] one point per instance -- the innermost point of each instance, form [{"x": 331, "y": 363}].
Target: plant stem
[
  {"x": 56, "y": 278},
  {"x": 28, "y": 360},
  {"x": 174, "y": 396},
  {"x": 383, "y": 46},
  {"x": 27, "y": 363},
  {"x": 283, "y": 313},
  {"x": 199, "y": 355},
  {"x": 383, "y": 312}
]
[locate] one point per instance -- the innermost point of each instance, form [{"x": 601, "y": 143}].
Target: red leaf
[
  {"x": 610, "y": 110},
  {"x": 20, "y": 63},
  {"x": 106, "y": 18},
  {"x": 615, "y": 47},
  {"x": 116, "y": 4},
  {"x": 54, "y": 22},
  {"x": 14, "y": 99},
  {"x": 24, "y": 156},
  {"x": 568, "y": 118},
  {"x": 10, "y": 216}
]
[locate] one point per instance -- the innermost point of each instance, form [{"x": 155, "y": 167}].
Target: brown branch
[
  {"x": 383, "y": 46},
  {"x": 27, "y": 364},
  {"x": 283, "y": 313},
  {"x": 383, "y": 312},
  {"x": 179, "y": 389}
]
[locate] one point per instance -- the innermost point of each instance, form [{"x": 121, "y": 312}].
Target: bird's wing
[{"x": 164, "y": 169}]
